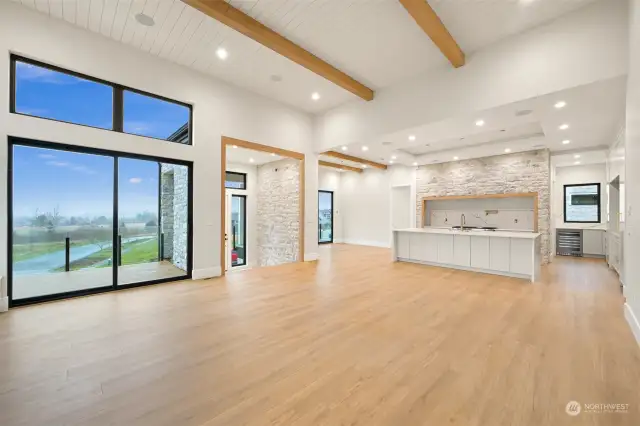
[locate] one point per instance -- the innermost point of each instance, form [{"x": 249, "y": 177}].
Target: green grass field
[
  {"x": 132, "y": 253},
  {"x": 140, "y": 252}
]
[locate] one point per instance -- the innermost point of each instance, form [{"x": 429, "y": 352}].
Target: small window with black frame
[
  {"x": 582, "y": 203},
  {"x": 235, "y": 180}
]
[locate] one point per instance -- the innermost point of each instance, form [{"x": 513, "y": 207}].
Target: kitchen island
[{"x": 514, "y": 254}]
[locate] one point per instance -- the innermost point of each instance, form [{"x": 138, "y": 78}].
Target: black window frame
[
  {"x": 244, "y": 178},
  {"x": 564, "y": 202},
  {"x": 117, "y": 115},
  {"x": 116, "y": 155},
  {"x": 320, "y": 191}
]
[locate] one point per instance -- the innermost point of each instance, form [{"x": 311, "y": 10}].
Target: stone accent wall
[
  {"x": 278, "y": 215},
  {"x": 174, "y": 206},
  {"x": 501, "y": 174}
]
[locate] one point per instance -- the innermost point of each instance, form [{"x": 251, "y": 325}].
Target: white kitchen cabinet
[
  {"x": 499, "y": 253},
  {"x": 403, "y": 242},
  {"x": 520, "y": 252},
  {"x": 431, "y": 248},
  {"x": 480, "y": 252},
  {"x": 593, "y": 242},
  {"x": 445, "y": 249},
  {"x": 514, "y": 254},
  {"x": 417, "y": 247},
  {"x": 462, "y": 250}
]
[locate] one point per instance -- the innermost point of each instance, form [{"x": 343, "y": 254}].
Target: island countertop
[{"x": 472, "y": 232}]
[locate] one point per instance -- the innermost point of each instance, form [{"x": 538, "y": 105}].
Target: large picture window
[
  {"x": 45, "y": 91},
  {"x": 582, "y": 203}
]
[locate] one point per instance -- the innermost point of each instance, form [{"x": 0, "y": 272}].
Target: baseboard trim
[
  {"x": 203, "y": 274},
  {"x": 310, "y": 257},
  {"x": 367, "y": 243},
  {"x": 633, "y": 322},
  {"x": 4, "y": 304}
]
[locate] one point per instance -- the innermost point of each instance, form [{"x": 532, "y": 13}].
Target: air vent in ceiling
[
  {"x": 523, "y": 112},
  {"x": 387, "y": 143}
]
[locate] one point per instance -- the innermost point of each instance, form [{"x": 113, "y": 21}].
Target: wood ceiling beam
[
  {"x": 339, "y": 166},
  {"x": 342, "y": 156},
  {"x": 228, "y": 15},
  {"x": 428, "y": 20}
]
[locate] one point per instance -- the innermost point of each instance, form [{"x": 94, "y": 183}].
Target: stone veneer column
[
  {"x": 501, "y": 174},
  {"x": 175, "y": 212},
  {"x": 278, "y": 215}
]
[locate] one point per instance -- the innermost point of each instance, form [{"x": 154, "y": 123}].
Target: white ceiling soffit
[
  {"x": 249, "y": 157},
  {"x": 580, "y": 158},
  {"x": 374, "y": 41},
  {"x": 592, "y": 113}
]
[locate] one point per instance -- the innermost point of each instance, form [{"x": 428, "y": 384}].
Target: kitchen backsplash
[{"x": 521, "y": 220}]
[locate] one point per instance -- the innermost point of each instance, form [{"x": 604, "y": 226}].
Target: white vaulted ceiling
[{"x": 374, "y": 41}]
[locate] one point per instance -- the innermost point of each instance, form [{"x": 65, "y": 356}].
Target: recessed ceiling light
[
  {"x": 145, "y": 20},
  {"x": 560, "y": 104},
  {"x": 564, "y": 127},
  {"x": 412, "y": 137},
  {"x": 480, "y": 123},
  {"x": 566, "y": 142},
  {"x": 507, "y": 150},
  {"x": 576, "y": 163},
  {"x": 576, "y": 156},
  {"x": 235, "y": 146},
  {"x": 344, "y": 148},
  {"x": 365, "y": 148},
  {"x": 315, "y": 96},
  {"x": 390, "y": 161},
  {"x": 455, "y": 158},
  {"x": 393, "y": 157},
  {"x": 222, "y": 53},
  {"x": 273, "y": 155},
  {"x": 251, "y": 160},
  {"x": 364, "y": 166},
  {"x": 415, "y": 163}
]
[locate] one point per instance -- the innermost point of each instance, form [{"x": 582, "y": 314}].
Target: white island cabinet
[{"x": 514, "y": 254}]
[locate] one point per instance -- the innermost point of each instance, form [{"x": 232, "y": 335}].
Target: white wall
[
  {"x": 219, "y": 109},
  {"x": 366, "y": 212},
  {"x": 549, "y": 58},
  {"x": 632, "y": 153},
  {"x": 329, "y": 180},
  {"x": 252, "y": 208},
  {"x": 588, "y": 173}
]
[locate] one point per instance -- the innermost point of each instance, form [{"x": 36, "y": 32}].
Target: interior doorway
[
  {"x": 325, "y": 217},
  {"x": 262, "y": 205}
]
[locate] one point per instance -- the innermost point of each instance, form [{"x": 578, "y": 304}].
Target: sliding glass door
[
  {"x": 84, "y": 221},
  {"x": 62, "y": 221},
  {"x": 325, "y": 217}
]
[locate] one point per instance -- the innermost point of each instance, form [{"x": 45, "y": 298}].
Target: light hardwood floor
[{"x": 352, "y": 339}]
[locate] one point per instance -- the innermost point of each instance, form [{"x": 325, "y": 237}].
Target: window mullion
[{"x": 118, "y": 109}]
